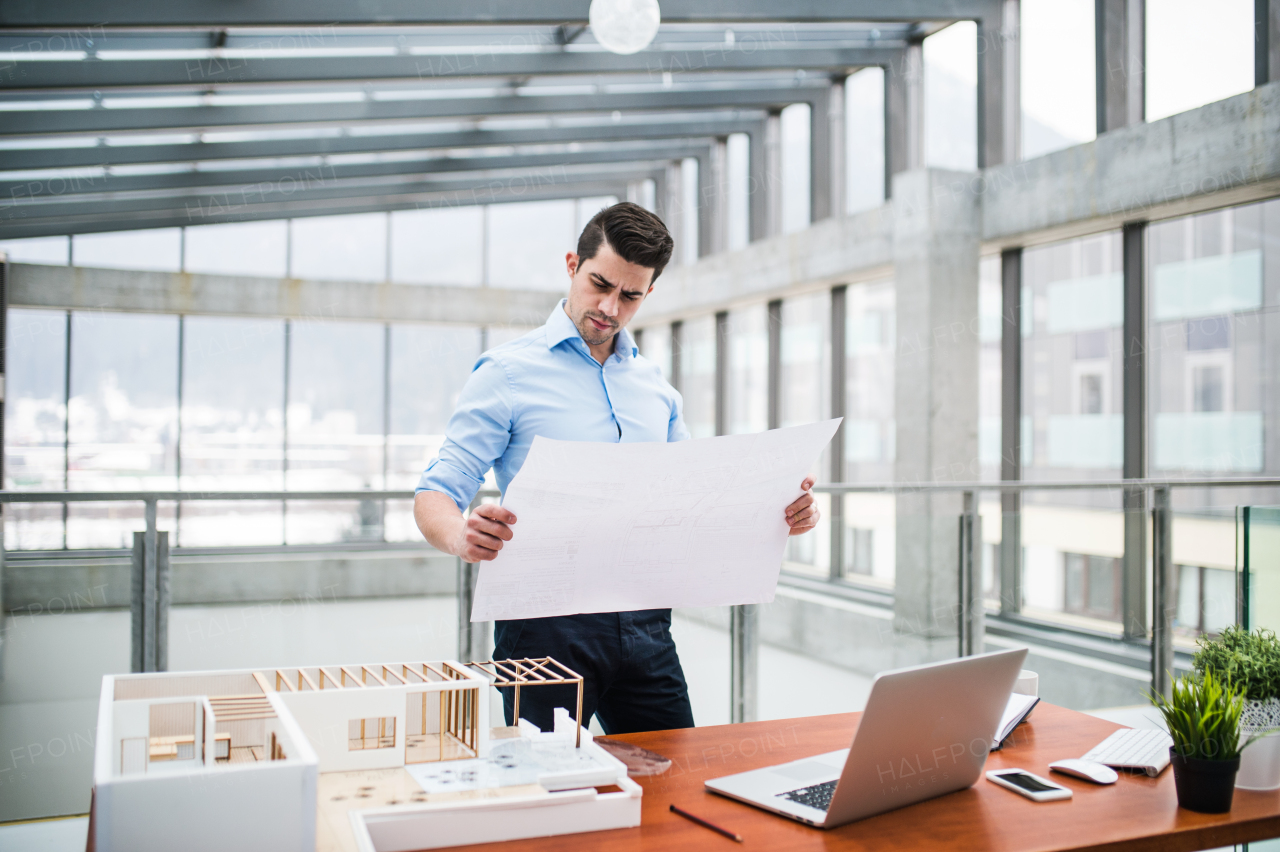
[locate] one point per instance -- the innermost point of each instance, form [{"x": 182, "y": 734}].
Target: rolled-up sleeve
[{"x": 477, "y": 435}]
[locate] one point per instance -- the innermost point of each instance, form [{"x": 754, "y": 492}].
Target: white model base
[{"x": 490, "y": 820}]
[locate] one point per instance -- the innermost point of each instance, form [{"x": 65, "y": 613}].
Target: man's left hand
[{"x": 802, "y": 515}]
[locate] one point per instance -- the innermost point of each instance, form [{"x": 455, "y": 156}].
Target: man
[{"x": 577, "y": 378}]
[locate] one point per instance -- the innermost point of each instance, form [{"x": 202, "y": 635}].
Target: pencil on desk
[{"x": 702, "y": 822}]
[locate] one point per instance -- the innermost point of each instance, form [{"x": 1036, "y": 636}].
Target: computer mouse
[{"x": 1086, "y": 769}]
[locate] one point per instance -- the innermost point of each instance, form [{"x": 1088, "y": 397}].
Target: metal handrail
[{"x": 1029, "y": 485}]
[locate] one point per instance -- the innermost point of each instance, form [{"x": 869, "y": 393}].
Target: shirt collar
[{"x": 560, "y": 328}]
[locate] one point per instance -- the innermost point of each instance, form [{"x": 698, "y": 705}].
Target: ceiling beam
[
  {"x": 109, "y": 120},
  {"x": 301, "y": 174},
  {"x": 705, "y": 125},
  {"x": 321, "y": 13},
  {"x": 318, "y": 185},
  {"x": 91, "y": 289},
  {"x": 487, "y": 61},
  {"x": 102, "y": 216}
]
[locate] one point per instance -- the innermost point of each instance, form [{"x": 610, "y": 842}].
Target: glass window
[
  {"x": 35, "y": 420},
  {"x": 748, "y": 397},
  {"x": 869, "y": 422},
  {"x": 232, "y": 429},
  {"x": 335, "y": 428},
  {"x": 444, "y": 245},
  {"x": 339, "y": 248},
  {"x": 864, "y": 140},
  {"x": 528, "y": 242},
  {"x": 1211, "y": 287},
  {"x": 951, "y": 97},
  {"x": 869, "y": 430},
  {"x": 1196, "y": 56},
  {"x": 687, "y": 241},
  {"x": 1058, "y": 91},
  {"x": 123, "y": 417},
  {"x": 697, "y": 344},
  {"x": 1072, "y": 428},
  {"x": 795, "y": 168},
  {"x": 804, "y": 396},
  {"x": 159, "y": 249},
  {"x": 54, "y": 251},
  {"x": 655, "y": 344},
  {"x": 1072, "y": 317},
  {"x": 238, "y": 248},
  {"x": 429, "y": 366}
]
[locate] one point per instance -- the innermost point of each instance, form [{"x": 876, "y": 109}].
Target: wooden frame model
[{"x": 540, "y": 671}]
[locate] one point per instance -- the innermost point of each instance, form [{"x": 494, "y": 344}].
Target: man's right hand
[{"x": 484, "y": 532}]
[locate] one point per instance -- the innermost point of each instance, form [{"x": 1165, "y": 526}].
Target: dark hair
[{"x": 637, "y": 235}]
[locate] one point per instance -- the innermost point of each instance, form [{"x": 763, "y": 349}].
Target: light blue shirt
[{"x": 547, "y": 383}]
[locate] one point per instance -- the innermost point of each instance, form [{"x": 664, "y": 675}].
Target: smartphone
[{"x": 1034, "y": 787}]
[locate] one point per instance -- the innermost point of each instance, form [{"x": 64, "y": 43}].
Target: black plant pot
[{"x": 1205, "y": 786}]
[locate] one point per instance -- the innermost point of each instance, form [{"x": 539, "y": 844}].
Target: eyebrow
[{"x": 600, "y": 279}]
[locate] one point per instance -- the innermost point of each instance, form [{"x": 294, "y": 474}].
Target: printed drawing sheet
[{"x": 617, "y": 527}]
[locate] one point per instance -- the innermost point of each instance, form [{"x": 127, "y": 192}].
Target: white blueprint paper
[{"x": 617, "y": 527}]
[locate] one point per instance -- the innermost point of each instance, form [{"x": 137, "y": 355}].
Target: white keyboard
[{"x": 1133, "y": 748}]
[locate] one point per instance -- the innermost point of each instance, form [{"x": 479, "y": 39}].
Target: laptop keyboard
[{"x": 818, "y": 796}]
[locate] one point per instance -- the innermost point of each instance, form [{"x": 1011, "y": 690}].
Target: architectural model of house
[{"x": 354, "y": 758}]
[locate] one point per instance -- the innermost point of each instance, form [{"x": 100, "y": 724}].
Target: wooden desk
[{"x": 1137, "y": 813}]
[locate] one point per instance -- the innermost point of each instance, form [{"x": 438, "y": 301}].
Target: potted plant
[
  {"x": 1203, "y": 717},
  {"x": 1251, "y": 662}
]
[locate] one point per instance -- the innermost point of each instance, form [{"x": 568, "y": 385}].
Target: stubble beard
[{"x": 591, "y": 335}]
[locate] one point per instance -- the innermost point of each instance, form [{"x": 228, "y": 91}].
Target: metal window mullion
[
  {"x": 677, "y": 365},
  {"x": 1266, "y": 42},
  {"x": 1164, "y": 607},
  {"x": 774, "y": 364},
  {"x": 1134, "y": 361},
  {"x": 66, "y": 424},
  {"x": 284, "y": 440},
  {"x": 4, "y": 338},
  {"x": 722, "y": 373},
  {"x": 386, "y": 411},
  {"x": 839, "y": 353},
  {"x": 177, "y": 443},
  {"x": 1011, "y": 429}
]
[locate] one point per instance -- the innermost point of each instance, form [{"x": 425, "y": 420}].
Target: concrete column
[
  {"x": 826, "y": 154},
  {"x": 998, "y": 97},
  {"x": 1120, "y": 51},
  {"x": 713, "y": 200},
  {"x": 904, "y": 114},
  {"x": 1266, "y": 41},
  {"x": 935, "y": 256}
]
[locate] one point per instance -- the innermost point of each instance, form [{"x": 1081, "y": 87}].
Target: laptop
[{"x": 925, "y": 733}]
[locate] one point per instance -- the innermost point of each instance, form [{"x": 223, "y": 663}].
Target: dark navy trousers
[{"x": 632, "y": 676}]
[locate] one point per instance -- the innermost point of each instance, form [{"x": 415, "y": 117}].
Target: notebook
[{"x": 1015, "y": 713}]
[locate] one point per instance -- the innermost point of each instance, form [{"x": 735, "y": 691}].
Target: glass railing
[{"x": 815, "y": 649}]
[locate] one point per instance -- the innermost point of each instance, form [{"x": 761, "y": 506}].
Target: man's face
[{"x": 604, "y": 293}]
